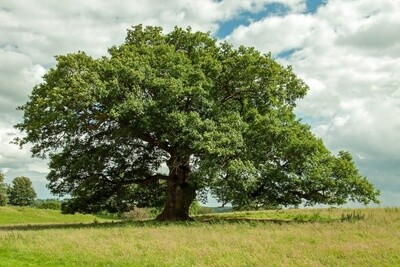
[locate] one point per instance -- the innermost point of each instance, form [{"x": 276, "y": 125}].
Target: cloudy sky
[{"x": 347, "y": 51}]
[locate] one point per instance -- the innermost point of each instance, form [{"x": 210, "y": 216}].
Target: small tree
[
  {"x": 3, "y": 191},
  {"x": 21, "y": 192}
]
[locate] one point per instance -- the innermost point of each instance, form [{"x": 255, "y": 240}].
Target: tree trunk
[
  {"x": 179, "y": 198},
  {"x": 180, "y": 194}
]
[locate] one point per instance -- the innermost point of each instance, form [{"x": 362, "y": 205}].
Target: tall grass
[{"x": 369, "y": 241}]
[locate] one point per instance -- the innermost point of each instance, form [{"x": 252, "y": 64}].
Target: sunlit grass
[
  {"x": 28, "y": 215},
  {"x": 369, "y": 241}
]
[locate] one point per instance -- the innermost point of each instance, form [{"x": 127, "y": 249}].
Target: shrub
[
  {"x": 153, "y": 212},
  {"x": 51, "y": 204},
  {"x": 194, "y": 208},
  {"x": 354, "y": 216}
]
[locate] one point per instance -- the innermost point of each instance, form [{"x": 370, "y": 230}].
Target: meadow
[{"x": 307, "y": 237}]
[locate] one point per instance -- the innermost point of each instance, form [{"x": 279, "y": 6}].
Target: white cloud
[
  {"x": 17, "y": 77},
  {"x": 38, "y": 167},
  {"x": 5, "y": 170},
  {"x": 44, "y": 28},
  {"x": 34, "y": 74},
  {"x": 275, "y": 34},
  {"x": 11, "y": 155},
  {"x": 16, "y": 162}
]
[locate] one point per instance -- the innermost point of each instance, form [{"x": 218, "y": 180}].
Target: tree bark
[
  {"x": 180, "y": 194},
  {"x": 179, "y": 198}
]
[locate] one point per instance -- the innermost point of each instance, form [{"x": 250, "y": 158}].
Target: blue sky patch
[
  {"x": 245, "y": 18},
  {"x": 313, "y": 5},
  {"x": 274, "y": 9},
  {"x": 287, "y": 53}
]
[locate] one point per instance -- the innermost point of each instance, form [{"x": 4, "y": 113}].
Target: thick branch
[
  {"x": 151, "y": 179},
  {"x": 147, "y": 137},
  {"x": 151, "y": 140},
  {"x": 145, "y": 182},
  {"x": 234, "y": 94},
  {"x": 310, "y": 195}
]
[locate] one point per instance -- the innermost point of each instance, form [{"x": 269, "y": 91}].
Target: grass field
[
  {"x": 330, "y": 237},
  {"x": 27, "y": 215}
]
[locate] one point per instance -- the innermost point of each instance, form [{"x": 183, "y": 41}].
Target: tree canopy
[
  {"x": 21, "y": 192},
  {"x": 219, "y": 119}
]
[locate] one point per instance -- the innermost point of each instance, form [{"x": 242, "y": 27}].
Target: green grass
[
  {"x": 268, "y": 238},
  {"x": 27, "y": 215}
]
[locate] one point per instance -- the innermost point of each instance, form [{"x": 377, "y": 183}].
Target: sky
[{"x": 347, "y": 51}]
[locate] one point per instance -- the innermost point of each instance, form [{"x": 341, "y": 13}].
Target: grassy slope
[
  {"x": 28, "y": 215},
  {"x": 373, "y": 241}
]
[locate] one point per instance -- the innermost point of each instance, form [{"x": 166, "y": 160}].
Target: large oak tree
[{"x": 218, "y": 118}]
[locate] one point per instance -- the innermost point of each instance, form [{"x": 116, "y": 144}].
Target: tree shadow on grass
[
  {"x": 92, "y": 225},
  {"x": 242, "y": 220},
  {"x": 48, "y": 226},
  {"x": 139, "y": 223}
]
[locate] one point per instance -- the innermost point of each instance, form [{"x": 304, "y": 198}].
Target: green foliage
[
  {"x": 220, "y": 118},
  {"x": 256, "y": 206},
  {"x": 51, "y": 204},
  {"x": 108, "y": 215},
  {"x": 353, "y": 216},
  {"x": 197, "y": 209},
  {"x": 21, "y": 192},
  {"x": 154, "y": 211},
  {"x": 3, "y": 191},
  {"x": 123, "y": 199}
]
